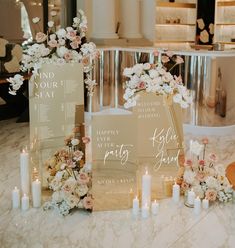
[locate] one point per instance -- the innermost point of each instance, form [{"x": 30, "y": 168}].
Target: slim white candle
[
  {"x": 15, "y": 198},
  {"x": 24, "y": 172},
  {"x": 135, "y": 208},
  {"x": 197, "y": 205},
  {"x": 205, "y": 203},
  {"x": 190, "y": 149},
  {"x": 176, "y": 192},
  {"x": 25, "y": 202},
  {"x": 145, "y": 211},
  {"x": 191, "y": 197},
  {"x": 36, "y": 193},
  {"x": 155, "y": 207},
  {"x": 146, "y": 189}
]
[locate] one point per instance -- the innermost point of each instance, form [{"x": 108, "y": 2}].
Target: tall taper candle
[
  {"x": 36, "y": 193},
  {"x": 146, "y": 189},
  {"x": 24, "y": 172}
]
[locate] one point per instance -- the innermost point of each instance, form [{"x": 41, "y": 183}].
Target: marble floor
[{"x": 175, "y": 226}]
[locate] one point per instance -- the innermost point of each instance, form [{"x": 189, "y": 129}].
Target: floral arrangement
[
  {"x": 156, "y": 78},
  {"x": 69, "y": 178},
  {"x": 60, "y": 46},
  {"x": 205, "y": 175}
]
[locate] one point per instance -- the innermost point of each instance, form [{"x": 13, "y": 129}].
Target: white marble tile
[{"x": 175, "y": 225}]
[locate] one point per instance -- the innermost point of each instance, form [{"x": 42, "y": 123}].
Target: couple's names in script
[
  {"x": 113, "y": 150},
  {"x": 160, "y": 139}
]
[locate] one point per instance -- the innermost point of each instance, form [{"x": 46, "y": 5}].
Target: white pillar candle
[
  {"x": 25, "y": 202},
  {"x": 24, "y": 172},
  {"x": 205, "y": 203},
  {"x": 155, "y": 207},
  {"x": 191, "y": 197},
  {"x": 15, "y": 198},
  {"x": 36, "y": 193},
  {"x": 146, "y": 189},
  {"x": 135, "y": 206},
  {"x": 145, "y": 211},
  {"x": 176, "y": 192},
  {"x": 197, "y": 205}
]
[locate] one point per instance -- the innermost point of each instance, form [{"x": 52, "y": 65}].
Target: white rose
[
  {"x": 45, "y": 51},
  {"x": 57, "y": 197},
  {"x": 61, "y": 42},
  {"x": 138, "y": 69},
  {"x": 153, "y": 73},
  {"x": 50, "y": 24},
  {"x": 220, "y": 170},
  {"x": 61, "y": 51},
  {"x": 76, "y": 20},
  {"x": 74, "y": 142},
  {"x": 147, "y": 66},
  {"x": 63, "y": 166},
  {"x": 53, "y": 13},
  {"x": 196, "y": 148},
  {"x": 189, "y": 176},
  {"x": 59, "y": 175},
  {"x": 52, "y": 37},
  {"x": 61, "y": 33},
  {"x": 128, "y": 72},
  {"x": 212, "y": 183},
  {"x": 36, "y": 20},
  {"x": 68, "y": 29}
]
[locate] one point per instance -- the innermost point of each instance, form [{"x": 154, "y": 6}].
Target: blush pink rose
[
  {"x": 88, "y": 202},
  {"x": 141, "y": 85},
  {"x": 40, "y": 37},
  {"x": 68, "y": 56},
  {"x": 85, "y": 61},
  {"x": 52, "y": 43},
  {"x": 83, "y": 178},
  {"x": 169, "y": 53},
  {"x": 211, "y": 194},
  {"x": 71, "y": 34},
  {"x": 86, "y": 140},
  {"x": 179, "y": 60},
  {"x": 213, "y": 157},
  {"x": 70, "y": 163},
  {"x": 77, "y": 155},
  {"x": 201, "y": 176},
  {"x": 184, "y": 186},
  {"x": 165, "y": 59},
  {"x": 188, "y": 162},
  {"x": 205, "y": 141},
  {"x": 202, "y": 162},
  {"x": 74, "y": 44},
  {"x": 156, "y": 53}
]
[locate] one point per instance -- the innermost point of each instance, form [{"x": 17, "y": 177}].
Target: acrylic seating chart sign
[
  {"x": 114, "y": 161},
  {"x": 56, "y": 106},
  {"x": 160, "y": 137}
]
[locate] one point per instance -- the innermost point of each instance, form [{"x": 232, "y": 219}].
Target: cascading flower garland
[
  {"x": 60, "y": 46},
  {"x": 156, "y": 78}
]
